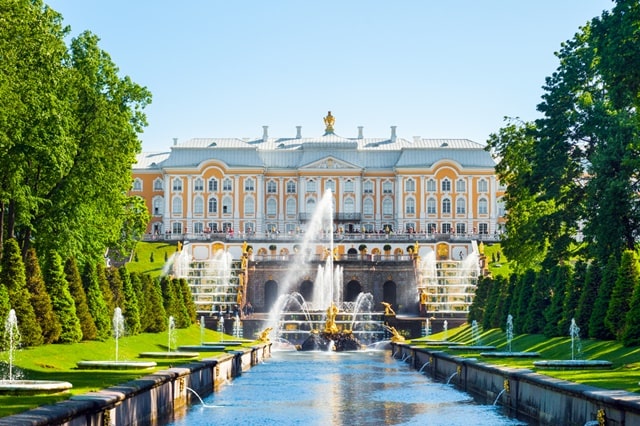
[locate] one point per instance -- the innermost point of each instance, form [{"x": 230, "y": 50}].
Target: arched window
[
  {"x": 311, "y": 186},
  {"x": 227, "y": 185},
  {"x": 137, "y": 184},
  {"x": 177, "y": 184},
  {"x": 502, "y": 211},
  {"x": 349, "y": 205},
  {"x": 483, "y": 186},
  {"x": 461, "y": 185},
  {"x": 461, "y": 228},
  {"x": 432, "y": 206},
  {"x": 311, "y": 206},
  {"x": 431, "y": 185},
  {"x": 348, "y": 186},
  {"x": 483, "y": 206},
  {"x": 249, "y": 185},
  {"x": 227, "y": 205},
  {"x": 291, "y": 207},
  {"x": 461, "y": 205},
  {"x": 176, "y": 205},
  {"x": 446, "y": 206},
  {"x": 410, "y": 206},
  {"x": 410, "y": 185},
  {"x": 213, "y": 185},
  {"x": 198, "y": 228},
  {"x": 249, "y": 205},
  {"x": 330, "y": 184},
  {"x": 158, "y": 206},
  {"x": 272, "y": 187},
  {"x": 198, "y": 185},
  {"x": 198, "y": 205},
  {"x": 387, "y": 188},
  {"x": 367, "y": 207},
  {"x": 213, "y": 205},
  {"x": 446, "y": 185},
  {"x": 368, "y": 187},
  {"x": 158, "y": 185},
  {"x": 387, "y": 207},
  {"x": 272, "y": 207},
  {"x": 291, "y": 187}
]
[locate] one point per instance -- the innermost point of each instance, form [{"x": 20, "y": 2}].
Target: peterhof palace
[{"x": 388, "y": 194}]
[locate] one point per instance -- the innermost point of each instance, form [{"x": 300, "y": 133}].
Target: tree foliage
[
  {"x": 63, "y": 305},
  {"x": 40, "y": 299},
  {"x": 87, "y": 325}
]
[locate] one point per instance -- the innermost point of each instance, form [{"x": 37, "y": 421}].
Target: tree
[
  {"x": 477, "y": 308},
  {"x": 63, "y": 304},
  {"x": 13, "y": 277},
  {"x": 588, "y": 296},
  {"x": 40, "y": 299},
  {"x": 4, "y": 302},
  {"x": 631, "y": 332},
  {"x": 597, "y": 327},
  {"x": 130, "y": 303},
  {"x": 95, "y": 301},
  {"x": 105, "y": 288},
  {"x": 626, "y": 281},
  {"x": 527, "y": 284},
  {"x": 573, "y": 292},
  {"x": 187, "y": 297},
  {"x": 154, "y": 317},
  {"x": 87, "y": 325},
  {"x": 540, "y": 300},
  {"x": 560, "y": 277},
  {"x": 117, "y": 287}
]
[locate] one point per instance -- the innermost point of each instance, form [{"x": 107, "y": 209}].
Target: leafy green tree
[
  {"x": 588, "y": 296},
  {"x": 95, "y": 301},
  {"x": 625, "y": 283},
  {"x": 12, "y": 275},
  {"x": 180, "y": 309},
  {"x": 631, "y": 332},
  {"x": 540, "y": 299},
  {"x": 189, "y": 304},
  {"x": 130, "y": 302},
  {"x": 154, "y": 317},
  {"x": 105, "y": 288},
  {"x": 136, "y": 286},
  {"x": 476, "y": 310},
  {"x": 597, "y": 327},
  {"x": 87, "y": 325},
  {"x": 498, "y": 313},
  {"x": 492, "y": 301},
  {"x": 573, "y": 291},
  {"x": 527, "y": 284},
  {"x": 117, "y": 287},
  {"x": 40, "y": 299},
  {"x": 63, "y": 305},
  {"x": 4, "y": 302},
  {"x": 560, "y": 276}
]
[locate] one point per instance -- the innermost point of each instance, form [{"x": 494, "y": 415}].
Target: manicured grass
[
  {"x": 58, "y": 362},
  {"x": 503, "y": 267},
  {"x": 624, "y": 374},
  {"x": 141, "y": 260}
]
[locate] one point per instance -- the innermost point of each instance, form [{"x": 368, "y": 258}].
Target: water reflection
[{"x": 348, "y": 388}]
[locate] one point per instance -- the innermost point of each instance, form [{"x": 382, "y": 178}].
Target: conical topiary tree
[
  {"x": 105, "y": 288},
  {"x": 130, "y": 303},
  {"x": 188, "y": 301},
  {"x": 154, "y": 317},
  {"x": 136, "y": 286},
  {"x": 4, "y": 303},
  {"x": 63, "y": 304},
  {"x": 534, "y": 318},
  {"x": 527, "y": 283},
  {"x": 95, "y": 301},
  {"x": 477, "y": 308},
  {"x": 181, "y": 313},
  {"x": 115, "y": 283},
  {"x": 588, "y": 296},
  {"x": 87, "y": 325},
  {"x": 620, "y": 295},
  {"x": 597, "y": 327},
  {"x": 13, "y": 276},
  {"x": 573, "y": 291},
  {"x": 559, "y": 278},
  {"x": 40, "y": 299},
  {"x": 631, "y": 332}
]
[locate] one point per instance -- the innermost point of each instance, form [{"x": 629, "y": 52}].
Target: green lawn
[
  {"x": 624, "y": 374},
  {"x": 149, "y": 257},
  {"x": 58, "y": 362}
]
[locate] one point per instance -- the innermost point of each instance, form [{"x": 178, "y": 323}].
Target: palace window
[
  {"x": 410, "y": 185},
  {"x": 311, "y": 205},
  {"x": 461, "y": 186},
  {"x": 431, "y": 185},
  {"x": 502, "y": 211},
  {"x": 483, "y": 206},
  {"x": 367, "y": 207},
  {"x": 387, "y": 188},
  {"x": 483, "y": 186},
  {"x": 446, "y": 206},
  {"x": 272, "y": 187},
  {"x": 311, "y": 186},
  {"x": 349, "y": 205},
  {"x": 176, "y": 206},
  {"x": 291, "y": 207},
  {"x": 158, "y": 206},
  {"x": 348, "y": 186},
  {"x": 213, "y": 226},
  {"x": 198, "y": 227},
  {"x": 483, "y": 228},
  {"x": 227, "y": 205},
  {"x": 272, "y": 207},
  {"x": 446, "y": 185},
  {"x": 368, "y": 187},
  {"x": 176, "y": 228},
  {"x": 461, "y": 228},
  {"x": 137, "y": 184},
  {"x": 431, "y": 206},
  {"x": 198, "y": 185},
  {"x": 177, "y": 185},
  {"x": 291, "y": 187},
  {"x": 198, "y": 205},
  {"x": 446, "y": 228},
  {"x": 249, "y": 206},
  {"x": 213, "y": 185},
  {"x": 158, "y": 185},
  {"x": 227, "y": 185},
  {"x": 410, "y": 207},
  {"x": 213, "y": 205},
  {"x": 249, "y": 185},
  {"x": 461, "y": 206},
  {"x": 387, "y": 207},
  {"x": 432, "y": 228},
  {"x": 330, "y": 184}
]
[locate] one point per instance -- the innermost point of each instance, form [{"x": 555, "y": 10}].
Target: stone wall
[
  {"x": 147, "y": 400},
  {"x": 528, "y": 395}
]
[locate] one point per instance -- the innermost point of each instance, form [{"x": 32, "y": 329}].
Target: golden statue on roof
[{"x": 329, "y": 120}]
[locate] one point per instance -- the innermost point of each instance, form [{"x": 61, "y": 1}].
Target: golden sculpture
[
  {"x": 329, "y": 120},
  {"x": 395, "y": 335},
  {"x": 244, "y": 247},
  {"x": 330, "y": 324},
  {"x": 416, "y": 249},
  {"x": 423, "y": 297},
  {"x": 388, "y": 310},
  {"x": 264, "y": 336}
]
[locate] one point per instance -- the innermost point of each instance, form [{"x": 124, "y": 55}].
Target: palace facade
[{"x": 258, "y": 187}]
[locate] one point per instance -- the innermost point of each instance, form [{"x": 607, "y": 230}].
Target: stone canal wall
[
  {"x": 148, "y": 400},
  {"x": 525, "y": 394}
]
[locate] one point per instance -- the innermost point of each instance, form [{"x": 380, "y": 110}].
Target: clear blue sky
[{"x": 436, "y": 69}]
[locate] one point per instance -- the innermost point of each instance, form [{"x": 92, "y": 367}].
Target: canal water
[{"x": 339, "y": 388}]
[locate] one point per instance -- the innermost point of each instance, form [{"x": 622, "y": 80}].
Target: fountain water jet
[
  {"x": 509, "y": 350},
  {"x": 11, "y": 385}
]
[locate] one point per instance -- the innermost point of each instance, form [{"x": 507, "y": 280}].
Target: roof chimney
[
  {"x": 360, "y": 136},
  {"x": 393, "y": 133},
  {"x": 175, "y": 141},
  {"x": 298, "y": 132},
  {"x": 265, "y": 133}
]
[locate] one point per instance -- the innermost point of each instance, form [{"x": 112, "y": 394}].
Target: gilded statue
[
  {"x": 330, "y": 324},
  {"x": 264, "y": 336},
  {"x": 395, "y": 335},
  {"x": 329, "y": 120},
  {"x": 388, "y": 310}
]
